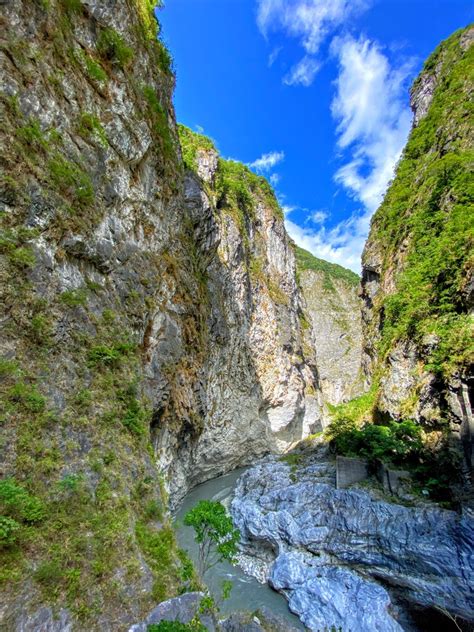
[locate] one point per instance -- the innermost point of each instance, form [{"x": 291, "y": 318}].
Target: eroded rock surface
[{"x": 336, "y": 551}]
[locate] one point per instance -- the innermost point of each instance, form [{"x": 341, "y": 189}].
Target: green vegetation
[
  {"x": 160, "y": 124},
  {"x": 111, "y": 47},
  {"x": 176, "y": 626},
  {"x": 18, "y": 508},
  {"x": 159, "y": 548},
  {"x": 91, "y": 127},
  {"x": 332, "y": 271},
  {"x": 71, "y": 180},
  {"x": 430, "y": 207},
  {"x": 191, "y": 143},
  {"x": 74, "y": 298},
  {"x": 110, "y": 356},
  {"x": 14, "y": 244},
  {"x": 214, "y": 532},
  {"x": 401, "y": 444}
]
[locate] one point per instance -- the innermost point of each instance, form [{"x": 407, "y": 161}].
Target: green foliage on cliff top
[
  {"x": 237, "y": 187},
  {"x": 332, "y": 271},
  {"x": 429, "y": 212},
  {"x": 191, "y": 143}
]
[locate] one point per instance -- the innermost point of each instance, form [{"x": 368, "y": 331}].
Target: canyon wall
[
  {"x": 333, "y": 309},
  {"x": 417, "y": 284},
  {"x": 152, "y": 330}
]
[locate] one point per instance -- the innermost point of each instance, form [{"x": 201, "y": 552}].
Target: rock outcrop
[
  {"x": 344, "y": 557},
  {"x": 417, "y": 264}
]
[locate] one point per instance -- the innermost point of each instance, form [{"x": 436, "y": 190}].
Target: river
[{"x": 247, "y": 593}]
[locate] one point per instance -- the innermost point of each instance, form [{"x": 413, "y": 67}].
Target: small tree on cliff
[{"x": 214, "y": 532}]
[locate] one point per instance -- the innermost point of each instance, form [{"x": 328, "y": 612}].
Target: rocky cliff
[
  {"x": 417, "y": 283},
  {"x": 152, "y": 331},
  {"x": 333, "y": 309}
]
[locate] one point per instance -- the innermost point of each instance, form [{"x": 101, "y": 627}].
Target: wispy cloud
[
  {"x": 267, "y": 161},
  {"x": 274, "y": 179},
  {"x": 302, "y": 73},
  {"x": 308, "y": 21},
  {"x": 372, "y": 115},
  {"x": 373, "y": 120},
  {"x": 273, "y": 55},
  {"x": 317, "y": 217}
]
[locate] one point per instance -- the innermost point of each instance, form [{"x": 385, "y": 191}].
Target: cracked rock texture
[{"x": 336, "y": 554}]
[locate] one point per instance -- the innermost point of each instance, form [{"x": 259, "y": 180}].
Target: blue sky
[{"x": 314, "y": 94}]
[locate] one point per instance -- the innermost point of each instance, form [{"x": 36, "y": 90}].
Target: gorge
[{"x": 160, "y": 329}]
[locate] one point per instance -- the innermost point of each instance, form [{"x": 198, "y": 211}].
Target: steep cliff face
[
  {"x": 417, "y": 264},
  {"x": 259, "y": 389},
  {"x": 151, "y": 322},
  {"x": 333, "y": 308}
]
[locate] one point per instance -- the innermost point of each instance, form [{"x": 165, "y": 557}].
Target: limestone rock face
[
  {"x": 331, "y": 547},
  {"x": 334, "y": 310},
  {"x": 258, "y": 388}
]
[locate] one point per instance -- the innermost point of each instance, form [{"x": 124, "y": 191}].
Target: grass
[
  {"x": 71, "y": 180},
  {"x": 160, "y": 124},
  {"x": 112, "y": 48}
]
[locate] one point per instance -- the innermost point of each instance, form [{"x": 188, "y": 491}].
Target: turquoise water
[{"x": 247, "y": 593}]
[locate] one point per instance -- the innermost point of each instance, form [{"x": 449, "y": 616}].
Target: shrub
[
  {"x": 8, "y": 530},
  {"x": 18, "y": 503},
  {"x": 71, "y": 180},
  {"x": 159, "y": 121},
  {"x": 27, "y": 397},
  {"x": 109, "y": 356},
  {"x": 111, "y": 47},
  {"x": 74, "y": 298}
]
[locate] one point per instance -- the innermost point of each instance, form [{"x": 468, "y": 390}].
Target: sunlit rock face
[
  {"x": 258, "y": 388},
  {"x": 417, "y": 295},
  {"x": 333, "y": 308}
]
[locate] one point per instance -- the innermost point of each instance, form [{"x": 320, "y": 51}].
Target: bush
[
  {"x": 396, "y": 442},
  {"x": 8, "y": 530},
  {"x": 27, "y": 397},
  {"x": 71, "y": 180},
  {"x": 111, "y": 47},
  {"x": 18, "y": 503},
  {"x": 109, "y": 356},
  {"x": 74, "y": 298}
]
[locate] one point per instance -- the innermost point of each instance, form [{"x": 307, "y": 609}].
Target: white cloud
[
  {"x": 274, "y": 179},
  {"x": 317, "y": 217},
  {"x": 373, "y": 122},
  {"x": 273, "y": 55},
  {"x": 373, "y": 118},
  {"x": 340, "y": 245},
  {"x": 303, "y": 73},
  {"x": 267, "y": 161},
  {"x": 308, "y": 20},
  {"x": 287, "y": 208}
]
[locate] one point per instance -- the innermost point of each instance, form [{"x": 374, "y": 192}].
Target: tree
[{"x": 214, "y": 532}]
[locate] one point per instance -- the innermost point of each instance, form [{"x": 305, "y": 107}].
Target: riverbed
[{"x": 247, "y": 593}]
